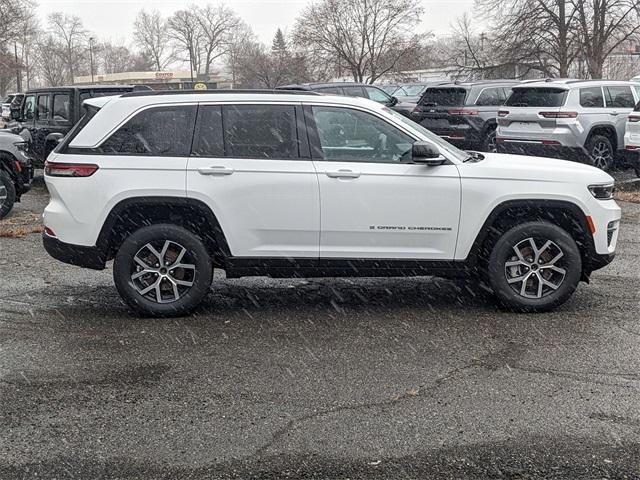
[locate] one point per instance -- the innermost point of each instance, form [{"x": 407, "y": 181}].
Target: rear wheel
[
  {"x": 163, "y": 271},
  {"x": 535, "y": 267},
  {"x": 601, "y": 152},
  {"x": 7, "y": 194},
  {"x": 489, "y": 144}
]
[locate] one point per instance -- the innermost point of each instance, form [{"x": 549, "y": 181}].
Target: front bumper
[{"x": 80, "y": 256}]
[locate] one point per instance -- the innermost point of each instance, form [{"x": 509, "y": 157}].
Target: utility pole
[
  {"x": 91, "y": 57},
  {"x": 18, "y": 70}
]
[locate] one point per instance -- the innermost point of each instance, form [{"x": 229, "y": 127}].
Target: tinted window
[
  {"x": 330, "y": 91},
  {"x": 414, "y": 90},
  {"x": 209, "y": 141},
  {"x": 537, "y": 97},
  {"x": 61, "y": 107},
  {"x": 591, "y": 97},
  {"x": 377, "y": 95},
  {"x": 260, "y": 131},
  {"x": 353, "y": 136},
  {"x": 450, "y": 97},
  {"x": 490, "y": 97},
  {"x": 43, "y": 107},
  {"x": 29, "y": 107},
  {"x": 620, "y": 97},
  {"x": 160, "y": 131},
  {"x": 354, "y": 92}
]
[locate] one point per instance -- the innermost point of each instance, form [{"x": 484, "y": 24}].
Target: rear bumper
[
  {"x": 80, "y": 256},
  {"x": 536, "y": 148}
]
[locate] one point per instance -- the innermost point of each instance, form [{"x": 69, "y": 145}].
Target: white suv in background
[
  {"x": 582, "y": 120},
  {"x": 632, "y": 139},
  {"x": 173, "y": 185}
]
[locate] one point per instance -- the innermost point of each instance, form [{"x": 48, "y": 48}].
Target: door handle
[
  {"x": 216, "y": 170},
  {"x": 343, "y": 174},
  {"x": 614, "y": 114}
]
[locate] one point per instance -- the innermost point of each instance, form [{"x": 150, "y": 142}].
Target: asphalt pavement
[{"x": 344, "y": 379}]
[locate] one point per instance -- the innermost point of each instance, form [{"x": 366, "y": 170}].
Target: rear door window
[
  {"x": 29, "y": 109},
  {"x": 591, "y": 97},
  {"x": 209, "y": 139},
  {"x": 378, "y": 95},
  {"x": 260, "y": 131},
  {"x": 449, "y": 97},
  {"x": 619, "y": 97},
  {"x": 354, "y": 92},
  {"x": 537, "y": 97},
  {"x": 491, "y": 97},
  {"x": 61, "y": 108},
  {"x": 158, "y": 131}
]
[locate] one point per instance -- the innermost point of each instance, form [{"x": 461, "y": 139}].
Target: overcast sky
[{"x": 113, "y": 19}]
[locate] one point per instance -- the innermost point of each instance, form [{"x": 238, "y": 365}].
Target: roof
[
  {"x": 568, "y": 83},
  {"x": 479, "y": 83}
]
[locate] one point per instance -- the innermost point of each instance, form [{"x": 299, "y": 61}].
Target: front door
[
  {"x": 374, "y": 202},
  {"x": 250, "y": 167}
]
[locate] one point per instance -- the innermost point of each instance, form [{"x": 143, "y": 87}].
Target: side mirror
[
  {"x": 55, "y": 138},
  {"x": 425, "y": 153},
  {"x": 394, "y": 101}
]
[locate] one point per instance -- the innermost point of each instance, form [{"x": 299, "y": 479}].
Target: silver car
[
  {"x": 582, "y": 120},
  {"x": 16, "y": 170}
]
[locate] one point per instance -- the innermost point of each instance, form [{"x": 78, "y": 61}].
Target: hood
[
  {"x": 6, "y": 136},
  {"x": 520, "y": 167}
]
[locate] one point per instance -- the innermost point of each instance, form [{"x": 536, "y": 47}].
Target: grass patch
[{"x": 21, "y": 225}]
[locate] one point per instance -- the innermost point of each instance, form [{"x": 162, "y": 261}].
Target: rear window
[
  {"x": 620, "y": 97},
  {"x": 537, "y": 97},
  {"x": 450, "y": 97}
]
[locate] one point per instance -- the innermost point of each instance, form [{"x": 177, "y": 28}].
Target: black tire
[
  {"x": 601, "y": 152},
  {"x": 489, "y": 144},
  {"x": 523, "y": 296},
  {"x": 7, "y": 194},
  {"x": 166, "y": 298}
]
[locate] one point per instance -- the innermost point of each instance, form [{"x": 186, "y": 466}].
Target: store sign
[
  {"x": 164, "y": 75},
  {"x": 200, "y": 86}
]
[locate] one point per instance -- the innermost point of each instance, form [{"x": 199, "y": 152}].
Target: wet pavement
[{"x": 366, "y": 378}]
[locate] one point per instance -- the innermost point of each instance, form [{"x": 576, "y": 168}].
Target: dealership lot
[{"x": 315, "y": 379}]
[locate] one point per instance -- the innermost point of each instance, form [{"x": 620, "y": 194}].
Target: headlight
[
  {"x": 24, "y": 146},
  {"x": 603, "y": 192}
]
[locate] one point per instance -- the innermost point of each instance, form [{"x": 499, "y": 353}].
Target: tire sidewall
[
  {"x": 592, "y": 143},
  {"x": 7, "y": 205},
  {"x": 486, "y": 143},
  {"x": 503, "y": 250},
  {"x": 137, "y": 240}
]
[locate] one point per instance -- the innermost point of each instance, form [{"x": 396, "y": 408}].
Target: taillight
[
  {"x": 631, "y": 148},
  {"x": 559, "y": 114},
  {"x": 550, "y": 142},
  {"x": 634, "y": 119},
  {"x": 69, "y": 169},
  {"x": 48, "y": 232},
  {"x": 503, "y": 113},
  {"x": 463, "y": 112}
]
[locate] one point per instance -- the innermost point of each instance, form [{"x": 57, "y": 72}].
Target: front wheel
[
  {"x": 489, "y": 143},
  {"x": 535, "y": 267},
  {"x": 7, "y": 194},
  {"x": 163, "y": 271}
]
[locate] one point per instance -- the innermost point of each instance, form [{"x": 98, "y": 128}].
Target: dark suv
[
  {"x": 464, "y": 113},
  {"x": 49, "y": 113},
  {"x": 347, "y": 89}
]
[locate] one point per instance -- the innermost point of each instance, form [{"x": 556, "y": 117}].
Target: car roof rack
[{"x": 216, "y": 91}]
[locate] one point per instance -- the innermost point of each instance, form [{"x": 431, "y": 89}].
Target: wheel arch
[
  {"x": 605, "y": 129},
  {"x": 134, "y": 213},
  {"x": 565, "y": 214}
]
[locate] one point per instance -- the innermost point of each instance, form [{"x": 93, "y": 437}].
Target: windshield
[
  {"x": 450, "y": 97},
  {"x": 537, "y": 97},
  {"x": 432, "y": 137}
]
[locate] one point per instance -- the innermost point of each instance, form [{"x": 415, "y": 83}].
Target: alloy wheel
[
  {"x": 492, "y": 145},
  {"x": 163, "y": 271},
  {"x": 535, "y": 271},
  {"x": 602, "y": 155},
  {"x": 3, "y": 195}
]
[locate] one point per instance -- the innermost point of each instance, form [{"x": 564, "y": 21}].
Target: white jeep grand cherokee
[{"x": 283, "y": 184}]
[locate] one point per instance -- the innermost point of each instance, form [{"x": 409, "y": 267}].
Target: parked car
[
  {"x": 632, "y": 139},
  {"x": 390, "y": 89},
  {"x": 16, "y": 171},
  {"x": 297, "y": 185},
  {"x": 348, "y": 89},
  {"x": 49, "y": 113},
  {"x": 464, "y": 113},
  {"x": 411, "y": 92},
  {"x": 14, "y": 99},
  {"x": 581, "y": 120}
]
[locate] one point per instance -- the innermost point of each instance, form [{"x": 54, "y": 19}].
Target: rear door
[
  {"x": 620, "y": 102},
  {"x": 251, "y": 164}
]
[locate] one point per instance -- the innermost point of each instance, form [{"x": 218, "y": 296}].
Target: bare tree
[
  {"x": 217, "y": 25},
  {"x": 152, "y": 34},
  {"x": 605, "y": 25},
  {"x": 187, "y": 33},
  {"x": 13, "y": 13},
  {"x": 69, "y": 31},
  {"x": 239, "y": 43},
  {"x": 114, "y": 58},
  {"x": 50, "y": 60},
  {"x": 367, "y": 37}
]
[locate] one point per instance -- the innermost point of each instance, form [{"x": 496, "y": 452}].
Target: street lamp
[{"x": 91, "y": 40}]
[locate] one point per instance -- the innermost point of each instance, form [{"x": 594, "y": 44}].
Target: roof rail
[{"x": 153, "y": 93}]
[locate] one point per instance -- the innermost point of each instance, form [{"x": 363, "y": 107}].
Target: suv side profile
[
  {"x": 171, "y": 186},
  {"x": 580, "y": 120},
  {"x": 464, "y": 113}
]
